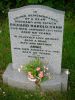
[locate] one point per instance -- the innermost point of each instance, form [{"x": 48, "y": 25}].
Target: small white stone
[
  {"x": 19, "y": 69},
  {"x": 67, "y": 72},
  {"x": 21, "y": 66}
]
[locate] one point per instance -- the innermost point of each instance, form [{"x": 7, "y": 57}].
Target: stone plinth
[{"x": 19, "y": 79}]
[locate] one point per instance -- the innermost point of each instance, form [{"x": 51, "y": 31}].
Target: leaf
[
  {"x": 32, "y": 1},
  {"x": 44, "y": 78}
]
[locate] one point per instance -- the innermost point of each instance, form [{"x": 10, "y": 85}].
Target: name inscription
[{"x": 36, "y": 34}]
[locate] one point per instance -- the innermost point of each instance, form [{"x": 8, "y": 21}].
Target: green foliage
[
  {"x": 32, "y": 65},
  {"x": 18, "y": 94},
  {"x": 44, "y": 79},
  {"x": 5, "y": 55},
  {"x": 20, "y": 3},
  {"x": 33, "y": 1},
  {"x": 69, "y": 7},
  {"x": 41, "y": 1},
  {"x": 32, "y": 70}
]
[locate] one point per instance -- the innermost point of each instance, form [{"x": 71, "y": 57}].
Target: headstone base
[{"x": 19, "y": 79}]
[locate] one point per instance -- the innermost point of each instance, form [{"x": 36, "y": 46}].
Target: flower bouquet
[{"x": 36, "y": 71}]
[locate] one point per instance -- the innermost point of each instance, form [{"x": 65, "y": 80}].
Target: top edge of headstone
[{"x": 37, "y": 6}]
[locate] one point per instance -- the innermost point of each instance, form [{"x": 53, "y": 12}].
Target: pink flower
[
  {"x": 41, "y": 74},
  {"x": 38, "y": 69}
]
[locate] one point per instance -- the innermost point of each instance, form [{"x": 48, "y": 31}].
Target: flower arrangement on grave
[{"x": 36, "y": 71}]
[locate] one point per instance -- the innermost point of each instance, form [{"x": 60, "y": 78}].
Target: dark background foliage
[{"x": 66, "y": 5}]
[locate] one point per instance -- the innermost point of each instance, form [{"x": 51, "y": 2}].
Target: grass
[{"x": 68, "y": 61}]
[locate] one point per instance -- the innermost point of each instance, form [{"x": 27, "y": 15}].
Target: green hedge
[{"x": 67, "y": 5}]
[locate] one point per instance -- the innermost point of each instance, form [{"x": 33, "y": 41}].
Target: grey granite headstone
[{"x": 36, "y": 31}]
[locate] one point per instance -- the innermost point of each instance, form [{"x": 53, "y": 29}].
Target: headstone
[{"x": 36, "y": 31}]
